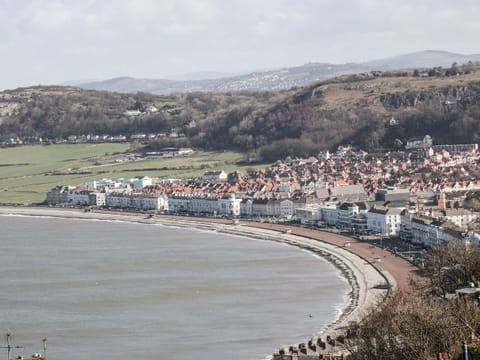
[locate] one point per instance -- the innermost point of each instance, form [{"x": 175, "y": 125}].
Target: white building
[
  {"x": 141, "y": 181},
  {"x": 459, "y": 217},
  {"x": 431, "y": 232},
  {"x": 309, "y": 214},
  {"x": 287, "y": 208},
  {"x": 157, "y": 202},
  {"x": 192, "y": 204},
  {"x": 119, "y": 200},
  {"x": 329, "y": 213},
  {"x": 229, "y": 206},
  {"x": 138, "y": 201},
  {"x": 346, "y": 213},
  {"x": 384, "y": 220},
  {"x": 419, "y": 142}
]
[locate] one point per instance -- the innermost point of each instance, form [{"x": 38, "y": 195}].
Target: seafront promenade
[{"x": 366, "y": 268}]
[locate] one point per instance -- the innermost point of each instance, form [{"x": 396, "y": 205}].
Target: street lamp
[
  {"x": 9, "y": 347},
  {"x": 44, "y": 348}
]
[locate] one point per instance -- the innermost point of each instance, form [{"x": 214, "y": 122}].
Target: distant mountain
[
  {"x": 279, "y": 79},
  {"x": 198, "y": 76},
  {"x": 422, "y": 59}
]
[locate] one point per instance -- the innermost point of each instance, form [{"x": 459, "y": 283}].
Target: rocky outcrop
[{"x": 449, "y": 96}]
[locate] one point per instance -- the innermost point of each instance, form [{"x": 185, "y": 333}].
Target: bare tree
[{"x": 414, "y": 326}]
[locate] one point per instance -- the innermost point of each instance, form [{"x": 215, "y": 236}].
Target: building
[
  {"x": 119, "y": 200},
  {"x": 429, "y": 231},
  {"x": 58, "y": 195},
  {"x": 456, "y": 148},
  {"x": 348, "y": 193},
  {"x": 419, "y": 142},
  {"x": 141, "y": 181},
  {"x": 383, "y": 220},
  {"x": 393, "y": 197},
  {"x": 246, "y": 208},
  {"x": 346, "y": 212},
  {"x": 215, "y": 175},
  {"x": 157, "y": 202},
  {"x": 460, "y": 217},
  {"x": 262, "y": 207},
  {"x": 79, "y": 197},
  {"x": 310, "y": 214},
  {"x": 329, "y": 213},
  {"x": 229, "y": 205},
  {"x": 190, "y": 204},
  {"x": 97, "y": 199},
  {"x": 405, "y": 232}
]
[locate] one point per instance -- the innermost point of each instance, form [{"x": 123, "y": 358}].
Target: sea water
[{"x": 116, "y": 290}]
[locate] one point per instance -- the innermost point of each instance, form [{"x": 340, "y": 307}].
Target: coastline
[{"x": 360, "y": 273}]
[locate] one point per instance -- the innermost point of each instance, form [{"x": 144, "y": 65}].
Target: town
[{"x": 416, "y": 195}]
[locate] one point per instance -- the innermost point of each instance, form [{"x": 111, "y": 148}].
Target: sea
[{"x": 119, "y": 290}]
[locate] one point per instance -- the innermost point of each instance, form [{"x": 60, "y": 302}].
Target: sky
[{"x": 54, "y": 41}]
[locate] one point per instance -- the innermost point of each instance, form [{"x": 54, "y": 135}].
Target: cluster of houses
[
  {"x": 416, "y": 195},
  {"x": 91, "y": 138}
]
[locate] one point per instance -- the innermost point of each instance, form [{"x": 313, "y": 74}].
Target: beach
[{"x": 353, "y": 258}]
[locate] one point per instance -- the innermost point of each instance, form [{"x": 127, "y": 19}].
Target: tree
[
  {"x": 452, "y": 265},
  {"x": 414, "y": 326}
]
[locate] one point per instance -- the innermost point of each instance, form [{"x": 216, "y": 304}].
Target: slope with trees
[
  {"x": 430, "y": 319},
  {"x": 352, "y": 109}
]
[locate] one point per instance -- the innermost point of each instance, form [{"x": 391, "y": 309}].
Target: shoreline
[{"x": 360, "y": 273}]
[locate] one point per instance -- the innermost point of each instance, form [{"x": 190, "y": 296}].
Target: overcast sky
[{"x": 53, "y": 41}]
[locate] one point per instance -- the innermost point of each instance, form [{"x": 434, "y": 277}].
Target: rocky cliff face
[{"x": 463, "y": 95}]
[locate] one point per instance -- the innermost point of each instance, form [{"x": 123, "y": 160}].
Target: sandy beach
[{"x": 353, "y": 258}]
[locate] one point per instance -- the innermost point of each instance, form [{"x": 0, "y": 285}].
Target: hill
[
  {"x": 373, "y": 110},
  {"x": 278, "y": 79}
]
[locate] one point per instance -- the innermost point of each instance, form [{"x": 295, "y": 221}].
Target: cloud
[{"x": 70, "y": 39}]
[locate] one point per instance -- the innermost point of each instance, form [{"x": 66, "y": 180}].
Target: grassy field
[{"x": 28, "y": 172}]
